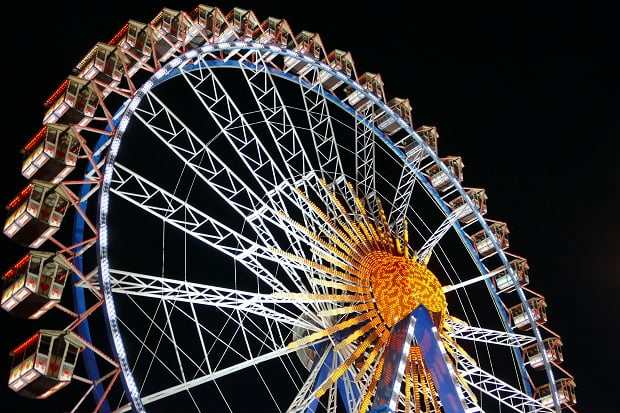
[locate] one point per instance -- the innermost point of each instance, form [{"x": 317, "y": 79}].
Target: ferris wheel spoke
[
  {"x": 238, "y": 183},
  {"x": 276, "y": 116},
  {"x": 173, "y": 290},
  {"x": 463, "y": 331},
  {"x": 224, "y": 111},
  {"x": 233, "y": 125},
  {"x": 195, "y": 154},
  {"x": 219, "y": 175},
  {"x": 494, "y": 387},
  {"x": 319, "y": 217},
  {"x": 217, "y": 374},
  {"x": 443, "y": 228},
  {"x": 176, "y": 212},
  {"x": 402, "y": 197},
  {"x": 146, "y": 352},
  {"x": 470, "y": 400},
  {"x": 170, "y": 209},
  {"x": 317, "y": 111},
  {"x": 365, "y": 163},
  {"x": 212, "y": 364},
  {"x": 243, "y": 324}
]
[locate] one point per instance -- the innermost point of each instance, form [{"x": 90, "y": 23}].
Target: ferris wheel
[{"x": 257, "y": 227}]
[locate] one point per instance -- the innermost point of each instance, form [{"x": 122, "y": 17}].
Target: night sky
[{"x": 527, "y": 94}]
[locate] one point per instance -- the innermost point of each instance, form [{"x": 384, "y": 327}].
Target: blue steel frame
[{"x": 419, "y": 325}]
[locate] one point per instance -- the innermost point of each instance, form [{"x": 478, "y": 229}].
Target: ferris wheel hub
[{"x": 399, "y": 284}]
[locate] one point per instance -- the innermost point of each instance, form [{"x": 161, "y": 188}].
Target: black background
[{"x": 526, "y": 93}]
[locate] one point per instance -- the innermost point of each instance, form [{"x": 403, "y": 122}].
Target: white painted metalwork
[
  {"x": 465, "y": 332},
  {"x": 290, "y": 185},
  {"x": 234, "y": 193},
  {"x": 445, "y": 226},
  {"x": 494, "y": 387}
]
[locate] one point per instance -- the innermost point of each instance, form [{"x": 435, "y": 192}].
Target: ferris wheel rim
[
  {"x": 79, "y": 107},
  {"x": 232, "y": 45}
]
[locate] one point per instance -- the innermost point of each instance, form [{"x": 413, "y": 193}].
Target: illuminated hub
[
  {"x": 399, "y": 284},
  {"x": 372, "y": 280}
]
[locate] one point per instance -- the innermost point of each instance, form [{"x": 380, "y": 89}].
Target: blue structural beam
[
  {"x": 395, "y": 359},
  {"x": 324, "y": 370},
  {"x": 418, "y": 325},
  {"x": 346, "y": 380},
  {"x": 79, "y": 300},
  {"x": 437, "y": 362},
  {"x": 381, "y": 409}
]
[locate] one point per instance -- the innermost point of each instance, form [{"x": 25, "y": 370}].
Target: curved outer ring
[{"x": 163, "y": 74}]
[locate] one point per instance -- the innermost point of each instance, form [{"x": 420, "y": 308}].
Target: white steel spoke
[
  {"x": 172, "y": 338},
  {"x": 365, "y": 162},
  {"x": 323, "y": 134},
  {"x": 185, "y": 217},
  {"x": 176, "y": 212},
  {"x": 236, "y": 128},
  {"x": 275, "y": 114},
  {"x": 278, "y": 353},
  {"x": 445, "y": 226},
  {"x": 169, "y": 289},
  {"x": 402, "y": 197},
  {"x": 466, "y": 332},
  {"x": 307, "y": 394},
  {"x": 494, "y": 387},
  {"x": 220, "y": 177},
  {"x": 213, "y": 96},
  {"x": 212, "y": 170},
  {"x": 266, "y": 341},
  {"x": 153, "y": 351}
]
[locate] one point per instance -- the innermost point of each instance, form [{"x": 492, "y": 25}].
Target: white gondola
[
  {"x": 387, "y": 123},
  {"x": 51, "y": 154},
  {"x": 439, "y": 179},
  {"x": 170, "y": 34},
  {"x": 274, "y": 31},
  {"x": 36, "y": 213},
  {"x": 553, "y": 349},
  {"x": 357, "y": 99},
  {"x": 135, "y": 41},
  {"x": 44, "y": 363},
  {"x": 74, "y": 102},
  {"x": 105, "y": 64},
  {"x": 430, "y": 135},
  {"x": 412, "y": 150},
  {"x": 478, "y": 197},
  {"x": 214, "y": 22},
  {"x": 340, "y": 61},
  {"x": 519, "y": 317},
  {"x": 306, "y": 43},
  {"x": 34, "y": 284},
  {"x": 502, "y": 279},
  {"x": 484, "y": 243},
  {"x": 565, "y": 393},
  {"x": 244, "y": 22}
]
